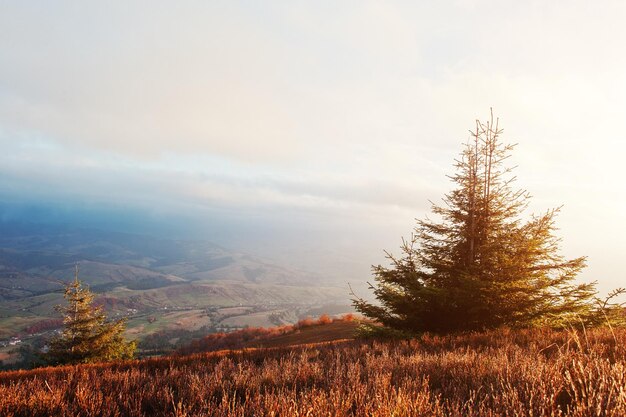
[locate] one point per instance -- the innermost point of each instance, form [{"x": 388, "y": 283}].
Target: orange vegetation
[
  {"x": 323, "y": 329},
  {"x": 498, "y": 373},
  {"x": 44, "y": 325}
]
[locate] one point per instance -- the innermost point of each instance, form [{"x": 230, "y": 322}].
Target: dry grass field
[{"x": 499, "y": 373}]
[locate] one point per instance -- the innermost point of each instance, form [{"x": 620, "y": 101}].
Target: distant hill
[
  {"x": 54, "y": 251},
  {"x": 159, "y": 283}
]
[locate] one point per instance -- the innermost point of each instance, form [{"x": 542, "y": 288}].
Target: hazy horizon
[{"x": 312, "y": 133}]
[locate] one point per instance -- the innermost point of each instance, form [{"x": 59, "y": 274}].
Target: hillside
[
  {"x": 320, "y": 333},
  {"x": 522, "y": 373},
  {"x": 306, "y": 331},
  {"x": 160, "y": 284}
]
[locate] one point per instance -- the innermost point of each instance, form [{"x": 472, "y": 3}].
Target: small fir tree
[
  {"x": 87, "y": 336},
  {"x": 480, "y": 265}
]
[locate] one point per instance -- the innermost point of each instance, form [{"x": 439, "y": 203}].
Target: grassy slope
[
  {"x": 522, "y": 373},
  {"x": 306, "y": 331},
  {"x": 340, "y": 330}
]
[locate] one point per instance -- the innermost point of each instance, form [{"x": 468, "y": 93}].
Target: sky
[{"x": 310, "y": 132}]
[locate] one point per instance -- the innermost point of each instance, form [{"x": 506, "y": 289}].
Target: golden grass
[{"x": 497, "y": 373}]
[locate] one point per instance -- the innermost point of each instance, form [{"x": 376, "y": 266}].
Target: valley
[{"x": 169, "y": 290}]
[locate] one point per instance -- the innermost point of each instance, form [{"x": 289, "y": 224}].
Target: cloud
[
  {"x": 130, "y": 82},
  {"x": 64, "y": 171},
  {"x": 313, "y": 111}
]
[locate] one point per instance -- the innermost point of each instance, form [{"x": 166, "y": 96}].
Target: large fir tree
[
  {"x": 479, "y": 264},
  {"x": 87, "y": 336}
]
